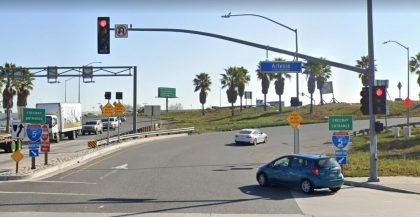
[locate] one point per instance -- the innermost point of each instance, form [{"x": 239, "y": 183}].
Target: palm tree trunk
[
  {"x": 279, "y": 103},
  {"x": 265, "y": 102},
  {"x": 202, "y": 108},
  {"x": 232, "y": 110},
  {"x": 320, "y": 94},
  {"x": 241, "y": 104},
  {"x": 311, "y": 109},
  {"x": 8, "y": 119}
]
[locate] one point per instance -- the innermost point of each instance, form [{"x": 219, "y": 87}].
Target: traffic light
[
  {"x": 103, "y": 35},
  {"x": 379, "y": 127},
  {"x": 379, "y": 99},
  {"x": 364, "y": 101},
  {"x": 108, "y": 95}
]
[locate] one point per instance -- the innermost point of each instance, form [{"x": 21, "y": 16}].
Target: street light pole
[
  {"x": 80, "y": 76},
  {"x": 65, "y": 88},
  {"x": 408, "y": 75},
  {"x": 296, "y": 130}
]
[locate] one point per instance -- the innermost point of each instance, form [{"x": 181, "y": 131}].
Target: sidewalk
[{"x": 401, "y": 184}]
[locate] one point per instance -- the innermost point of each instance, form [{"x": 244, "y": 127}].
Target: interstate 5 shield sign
[{"x": 34, "y": 132}]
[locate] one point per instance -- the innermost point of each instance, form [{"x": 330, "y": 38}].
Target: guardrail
[{"x": 188, "y": 130}]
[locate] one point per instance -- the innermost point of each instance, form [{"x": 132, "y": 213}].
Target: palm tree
[
  {"x": 364, "y": 64},
  {"x": 322, "y": 77},
  {"x": 242, "y": 78},
  {"x": 229, "y": 80},
  {"x": 9, "y": 91},
  {"x": 311, "y": 70},
  {"x": 265, "y": 84},
  {"x": 415, "y": 66},
  {"x": 24, "y": 85},
  {"x": 202, "y": 82},
  {"x": 279, "y": 82}
]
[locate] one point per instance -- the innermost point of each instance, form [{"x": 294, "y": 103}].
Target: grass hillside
[{"x": 221, "y": 119}]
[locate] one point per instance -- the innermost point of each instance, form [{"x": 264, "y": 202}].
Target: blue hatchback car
[{"x": 308, "y": 171}]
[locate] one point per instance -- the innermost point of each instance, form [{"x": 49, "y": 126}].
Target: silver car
[{"x": 251, "y": 136}]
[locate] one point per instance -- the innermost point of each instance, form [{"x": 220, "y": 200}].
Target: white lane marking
[
  {"x": 100, "y": 207},
  {"x": 45, "y": 193},
  {"x": 114, "y": 170},
  {"x": 63, "y": 182},
  {"x": 122, "y": 167}
]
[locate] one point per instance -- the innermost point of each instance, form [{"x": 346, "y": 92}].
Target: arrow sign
[
  {"x": 342, "y": 160},
  {"x": 33, "y": 153},
  {"x": 18, "y": 130}
]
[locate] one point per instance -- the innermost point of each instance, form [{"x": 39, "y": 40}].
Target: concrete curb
[
  {"x": 79, "y": 161},
  {"x": 377, "y": 187}
]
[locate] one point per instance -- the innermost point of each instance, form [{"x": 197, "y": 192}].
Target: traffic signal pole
[{"x": 373, "y": 139}]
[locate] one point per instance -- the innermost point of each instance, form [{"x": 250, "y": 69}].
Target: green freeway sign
[
  {"x": 340, "y": 122},
  {"x": 166, "y": 92},
  {"x": 34, "y": 116}
]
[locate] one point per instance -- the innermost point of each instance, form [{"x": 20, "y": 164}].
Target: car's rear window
[
  {"x": 327, "y": 163},
  {"x": 91, "y": 123},
  {"x": 245, "y": 132}
]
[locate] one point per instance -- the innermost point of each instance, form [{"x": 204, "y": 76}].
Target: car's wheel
[
  {"x": 306, "y": 186},
  {"x": 255, "y": 142},
  {"x": 83, "y": 133},
  {"x": 335, "y": 189},
  {"x": 266, "y": 139},
  {"x": 236, "y": 142},
  {"x": 262, "y": 180}
]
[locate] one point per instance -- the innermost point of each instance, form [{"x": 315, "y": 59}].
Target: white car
[{"x": 252, "y": 136}]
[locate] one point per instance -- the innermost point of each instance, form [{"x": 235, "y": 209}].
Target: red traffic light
[
  {"x": 379, "y": 92},
  {"x": 102, "y": 23}
]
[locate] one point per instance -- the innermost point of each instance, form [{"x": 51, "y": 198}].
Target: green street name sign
[
  {"x": 34, "y": 116},
  {"x": 340, "y": 122},
  {"x": 166, "y": 92}
]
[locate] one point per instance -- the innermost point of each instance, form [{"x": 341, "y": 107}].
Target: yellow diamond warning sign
[
  {"x": 294, "y": 119},
  {"x": 108, "y": 110},
  {"x": 119, "y": 109}
]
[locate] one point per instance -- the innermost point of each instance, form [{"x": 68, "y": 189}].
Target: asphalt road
[
  {"x": 66, "y": 146},
  {"x": 196, "y": 174}
]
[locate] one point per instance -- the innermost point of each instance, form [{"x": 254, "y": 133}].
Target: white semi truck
[{"x": 64, "y": 119}]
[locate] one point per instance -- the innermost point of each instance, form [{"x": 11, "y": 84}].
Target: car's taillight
[
  {"x": 249, "y": 136},
  {"x": 314, "y": 171}
]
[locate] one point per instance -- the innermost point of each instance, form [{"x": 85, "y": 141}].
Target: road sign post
[{"x": 119, "y": 110}]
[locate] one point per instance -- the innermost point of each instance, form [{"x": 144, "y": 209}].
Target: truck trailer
[{"x": 63, "y": 119}]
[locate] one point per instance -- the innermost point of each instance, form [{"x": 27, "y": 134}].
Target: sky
[{"x": 64, "y": 33}]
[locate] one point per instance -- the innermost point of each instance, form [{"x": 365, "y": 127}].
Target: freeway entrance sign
[
  {"x": 340, "y": 122},
  {"x": 34, "y": 116},
  {"x": 280, "y": 67}
]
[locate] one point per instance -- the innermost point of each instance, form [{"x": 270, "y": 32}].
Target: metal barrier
[{"x": 188, "y": 130}]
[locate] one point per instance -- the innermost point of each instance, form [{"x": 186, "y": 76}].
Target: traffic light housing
[
  {"x": 103, "y": 35},
  {"x": 379, "y": 127},
  {"x": 108, "y": 95},
  {"x": 379, "y": 99},
  {"x": 364, "y": 101}
]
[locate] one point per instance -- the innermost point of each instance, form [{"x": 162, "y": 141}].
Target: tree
[
  {"x": 202, "y": 82},
  {"x": 415, "y": 66},
  {"x": 279, "y": 82},
  {"x": 311, "y": 70},
  {"x": 24, "y": 85},
  {"x": 322, "y": 77},
  {"x": 9, "y": 89},
  {"x": 363, "y": 63},
  {"x": 242, "y": 78},
  {"x": 229, "y": 80},
  {"x": 265, "y": 84}
]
